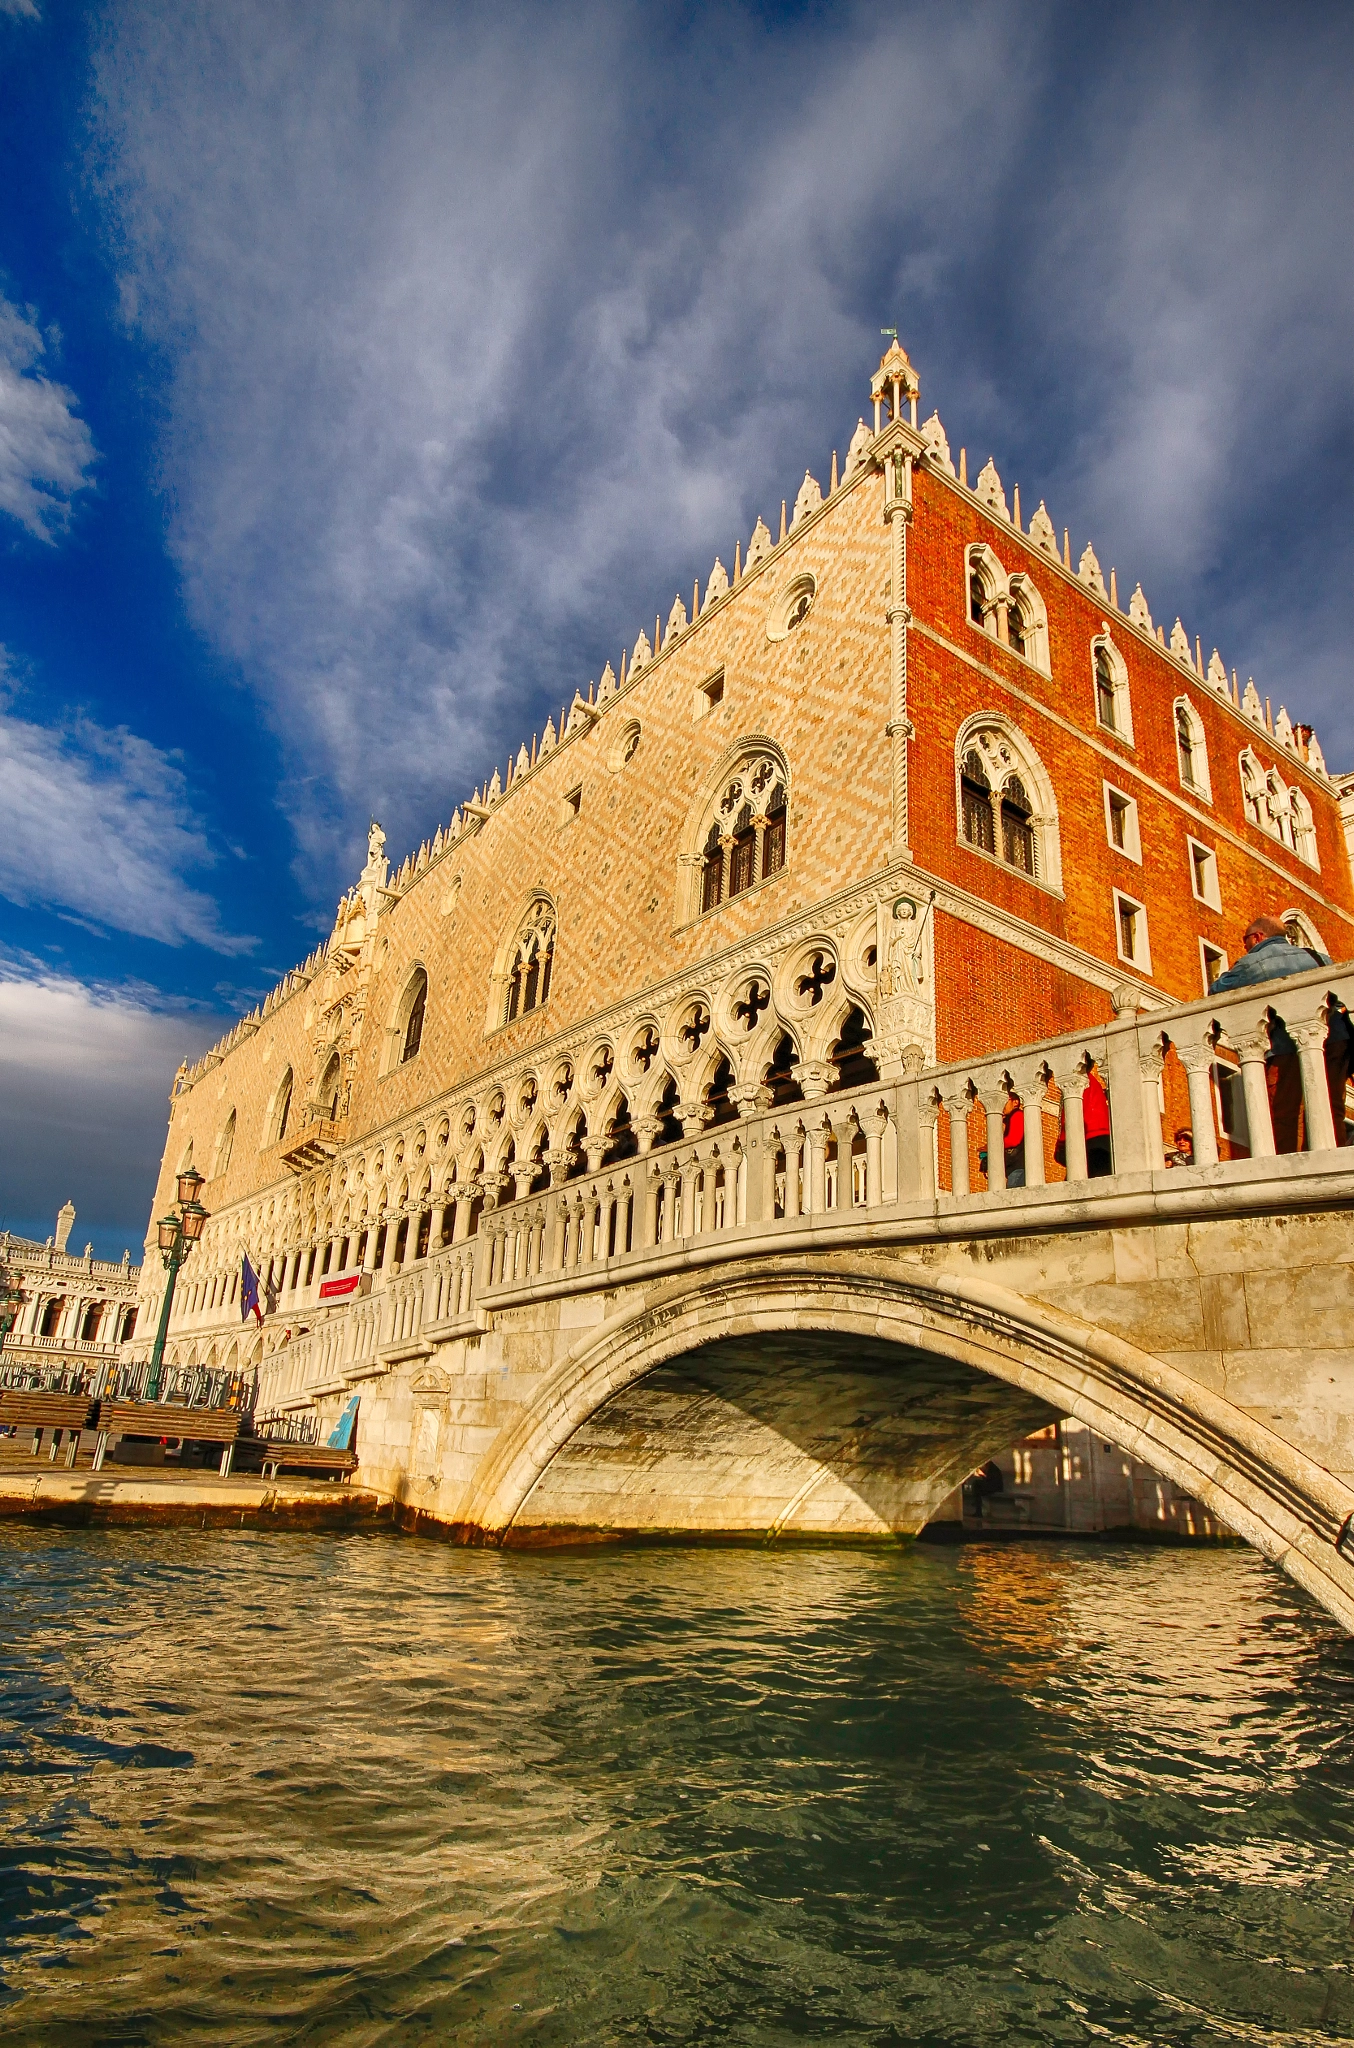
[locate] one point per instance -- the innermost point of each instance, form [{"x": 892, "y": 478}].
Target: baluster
[
  {"x": 914, "y": 1144},
  {"x": 1030, "y": 1087},
  {"x": 957, "y": 1107},
  {"x": 817, "y": 1143},
  {"x": 1197, "y": 1061},
  {"x": 791, "y": 1140},
  {"x": 1130, "y": 1126},
  {"x": 1150, "y": 1062},
  {"x": 1309, "y": 1036},
  {"x": 993, "y": 1101},
  {"x": 1073, "y": 1088},
  {"x": 874, "y": 1157},
  {"x": 928, "y": 1119}
]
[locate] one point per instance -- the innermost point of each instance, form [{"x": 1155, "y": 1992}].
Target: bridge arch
[{"x": 1042, "y": 1360}]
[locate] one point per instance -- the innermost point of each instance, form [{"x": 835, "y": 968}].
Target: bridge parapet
[{"x": 913, "y": 1157}]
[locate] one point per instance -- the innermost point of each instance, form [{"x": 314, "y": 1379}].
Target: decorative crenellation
[
  {"x": 990, "y": 494},
  {"x": 292, "y": 982}
]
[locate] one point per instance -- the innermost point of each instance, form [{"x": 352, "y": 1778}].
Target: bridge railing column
[
  {"x": 1151, "y": 1060},
  {"x": 914, "y": 1177},
  {"x": 1129, "y": 1133},
  {"x": 651, "y": 1181},
  {"x": 791, "y": 1140},
  {"x": 875, "y": 1125},
  {"x": 993, "y": 1101},
  {"x": 1196, "y": 1056},
  {"x": 1072, "y": 1085},
  {"x": 1308, "y": 1030},
  {"x": 957, "y": 1109},
  {"x": 817, "y": 1143},
  {"x": 1031, "y": 1086}
]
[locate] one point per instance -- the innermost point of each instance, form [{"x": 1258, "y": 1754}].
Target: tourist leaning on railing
[{"x": 1271, "y": 956}]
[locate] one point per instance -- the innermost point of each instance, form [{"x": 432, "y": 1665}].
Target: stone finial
[
  {"x": 1179, "y": 642},
  {"x": 65, "y": 1218},
  {"x": 1217, "y": 674},
  {"x": 1250, "y": 702},
  {"x": 759, "y": 545},
  {"x": 548, "y": 736},
  {"x": 809, "y": 497},
  {"x": 1315, "y": 758},
  {"x": 858, "y": 452},
  {"x": 935, "y": 438},
  {"x": 1088, "y": 569},
  {"x": 677, "y": 619},
  {"x": 718, "y": 584},
  {"x": 1283, "y": 731},
  {"x": 607, "y": 687},
  {"x": 643, "y": 653},
  {"x": 1041, "y": 531},
  {"x": 495, "y": 789},
  {"x": 988, "y": 488},
  {"x": 1137, "y": 609},
  {"x": 523, "y": 761}
]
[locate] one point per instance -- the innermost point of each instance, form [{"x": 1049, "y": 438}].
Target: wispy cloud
[
  {"x": 24, "y": 10},
  {"x": 85, "y": 1074},
  {"x": 46, "y": 450},
  {"x": 487, "y": 328},
  {"x": 98, "y": 823}
]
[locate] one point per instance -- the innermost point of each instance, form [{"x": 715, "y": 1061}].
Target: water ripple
[{"x": 360, "y": 1791}]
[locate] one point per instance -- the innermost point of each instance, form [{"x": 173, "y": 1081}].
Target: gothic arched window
[
  {"x": 1005, "y": 801},
  {"x": 417, "y": 999},
  {"x": 1112, "y": 708},
  {"x": 533, "y": 957},
  {"x": 975, "y": 800},
  {"x": 743, "y": 832},
  {"x": 327, "y": 1095},
  {"x": 225, "y": 1145},
  {"x": 1191, "y": 750}
]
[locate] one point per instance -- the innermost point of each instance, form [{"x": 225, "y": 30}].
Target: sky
[{"x": 371, "y": 371}]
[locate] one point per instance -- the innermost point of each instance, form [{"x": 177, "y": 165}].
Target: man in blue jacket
[{"x": 1271, "y": 955}]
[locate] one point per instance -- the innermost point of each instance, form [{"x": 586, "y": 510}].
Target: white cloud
[
  {"x": 486, "y": 330},
  {"x": 85, "y": 1075},
  {"x": 24, "y": 10},
  {"x": 461, "y": 347},
  {"x": 46, "y": 450},
  {"x": 98, "y": 823}
]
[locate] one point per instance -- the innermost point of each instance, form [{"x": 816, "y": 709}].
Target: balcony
[{"x": 317, "y": 1144}]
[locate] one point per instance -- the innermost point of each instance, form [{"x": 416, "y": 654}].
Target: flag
[{"x": 249, "y": 1291}]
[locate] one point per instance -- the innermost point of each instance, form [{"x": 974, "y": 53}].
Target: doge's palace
[{"x": 904, "y": 785}]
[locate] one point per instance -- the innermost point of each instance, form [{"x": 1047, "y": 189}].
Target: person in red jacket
[{"x": 1095, "y": 1116}]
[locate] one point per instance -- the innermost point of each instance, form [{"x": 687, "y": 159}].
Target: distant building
[
  {"x": 70, "y": 1307},
  {"x": 1066, "y": 1480}
]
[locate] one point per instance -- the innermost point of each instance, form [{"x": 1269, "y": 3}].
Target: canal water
[{"x": 366, "y": 1790}]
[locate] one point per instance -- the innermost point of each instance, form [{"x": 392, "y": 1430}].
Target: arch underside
[
  {"x": 846, "y": 1396},
  {"x": 812, "y": 1435}
]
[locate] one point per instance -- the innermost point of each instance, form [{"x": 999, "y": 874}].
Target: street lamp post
[{"x": 178, "y": 1232}]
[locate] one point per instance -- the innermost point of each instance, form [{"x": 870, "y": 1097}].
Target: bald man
[{"x": 1270, "y": 956}]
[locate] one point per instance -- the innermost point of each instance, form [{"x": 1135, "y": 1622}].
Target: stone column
[
  {"x": 1073, "y": 1087},
  {"x": 1318, "y": 1123},
  {"x": 651, "y": 1181},
  {"x": 436, "y": 1225},
  {"x": 958, "y": 1108},
  {"x": 1149, "y": 1069},
  {"x": 874, "y": 1158},
  {"x": 1197, "y": 1061},
  {"x": 1129, "y": 1132},
  {"x": 756, "y": 1194},
  {"x": 994, "y": 1104},
  {"x": 792, "y": 1140},
  {"x": 817, "y": 1141}
]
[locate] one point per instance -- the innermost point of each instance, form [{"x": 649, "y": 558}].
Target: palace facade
[
  {"x": 905, "y": 784},
  {"x": 70, "y": 1309}
]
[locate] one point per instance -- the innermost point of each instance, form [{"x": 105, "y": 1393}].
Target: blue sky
[{"x": 371, "y": 373}]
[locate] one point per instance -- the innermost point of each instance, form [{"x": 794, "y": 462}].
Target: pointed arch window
[
  {"x": 225, "y": 1145},
  {"x": 413, "y": 1023},
  {"x": 975, "y": 799},
  {"x": 1191, "y": 749},
  {"x": 1113, "y": 711},
  {"x": 744, "y": 835},
  {"x": 1006, "y": 807},
  {"x": 533, "y": 959}
]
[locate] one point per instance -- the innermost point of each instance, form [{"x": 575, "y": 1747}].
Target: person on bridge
[{"x": 1271, "y": 956}]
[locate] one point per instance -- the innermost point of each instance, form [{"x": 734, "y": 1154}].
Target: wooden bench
[
  {"x": 156, "y": 1419},
  {"x": 257, "y": 1453},
  {"x": 32, "y": 1408}
]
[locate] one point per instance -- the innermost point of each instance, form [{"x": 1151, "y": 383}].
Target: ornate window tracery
[
  {"x": 532, "y": 960},
  {"x": 745, "y": 840},
  {"x": 1191, "y": 749},
  {"x": 1005, "y": 801}
]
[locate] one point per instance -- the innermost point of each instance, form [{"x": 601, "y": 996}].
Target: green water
[{"x": 366, "y": 1790}]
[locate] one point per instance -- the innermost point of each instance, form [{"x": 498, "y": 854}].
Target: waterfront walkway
[{"x": 38, "y": 1490}]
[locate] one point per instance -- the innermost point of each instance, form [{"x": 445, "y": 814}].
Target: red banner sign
[{"x": 347, "y": 1283}]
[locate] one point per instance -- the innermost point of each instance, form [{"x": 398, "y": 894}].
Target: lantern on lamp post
[{"x": 177, "y": 1233}]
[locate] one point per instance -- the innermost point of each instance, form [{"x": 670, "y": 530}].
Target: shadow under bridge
[{"x": 791, "y": 1433}]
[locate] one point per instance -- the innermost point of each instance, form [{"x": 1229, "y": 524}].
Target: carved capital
[
  {"x": 1195, "y": 1059},
  {"x": 753, "y": 1101},
  {"x": 694, "y": 1117},
  {"x": 815, "y": 1077}
]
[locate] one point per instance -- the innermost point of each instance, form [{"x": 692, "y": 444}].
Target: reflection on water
[{"x": 359, "y": 1791}]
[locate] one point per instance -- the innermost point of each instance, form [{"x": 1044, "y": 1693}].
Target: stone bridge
[{"x": 814, "y": 1320}]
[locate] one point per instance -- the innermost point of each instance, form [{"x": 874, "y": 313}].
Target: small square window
[
  {"x": 1212, "y": 960},
  {"x": 1121, "y": 823},
  {"x": 1203, "y": 875},
  {"x": 707, "y": 695},
  {"x": 1130, "y": 925},
  {"x": 570, "y": 805}
]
